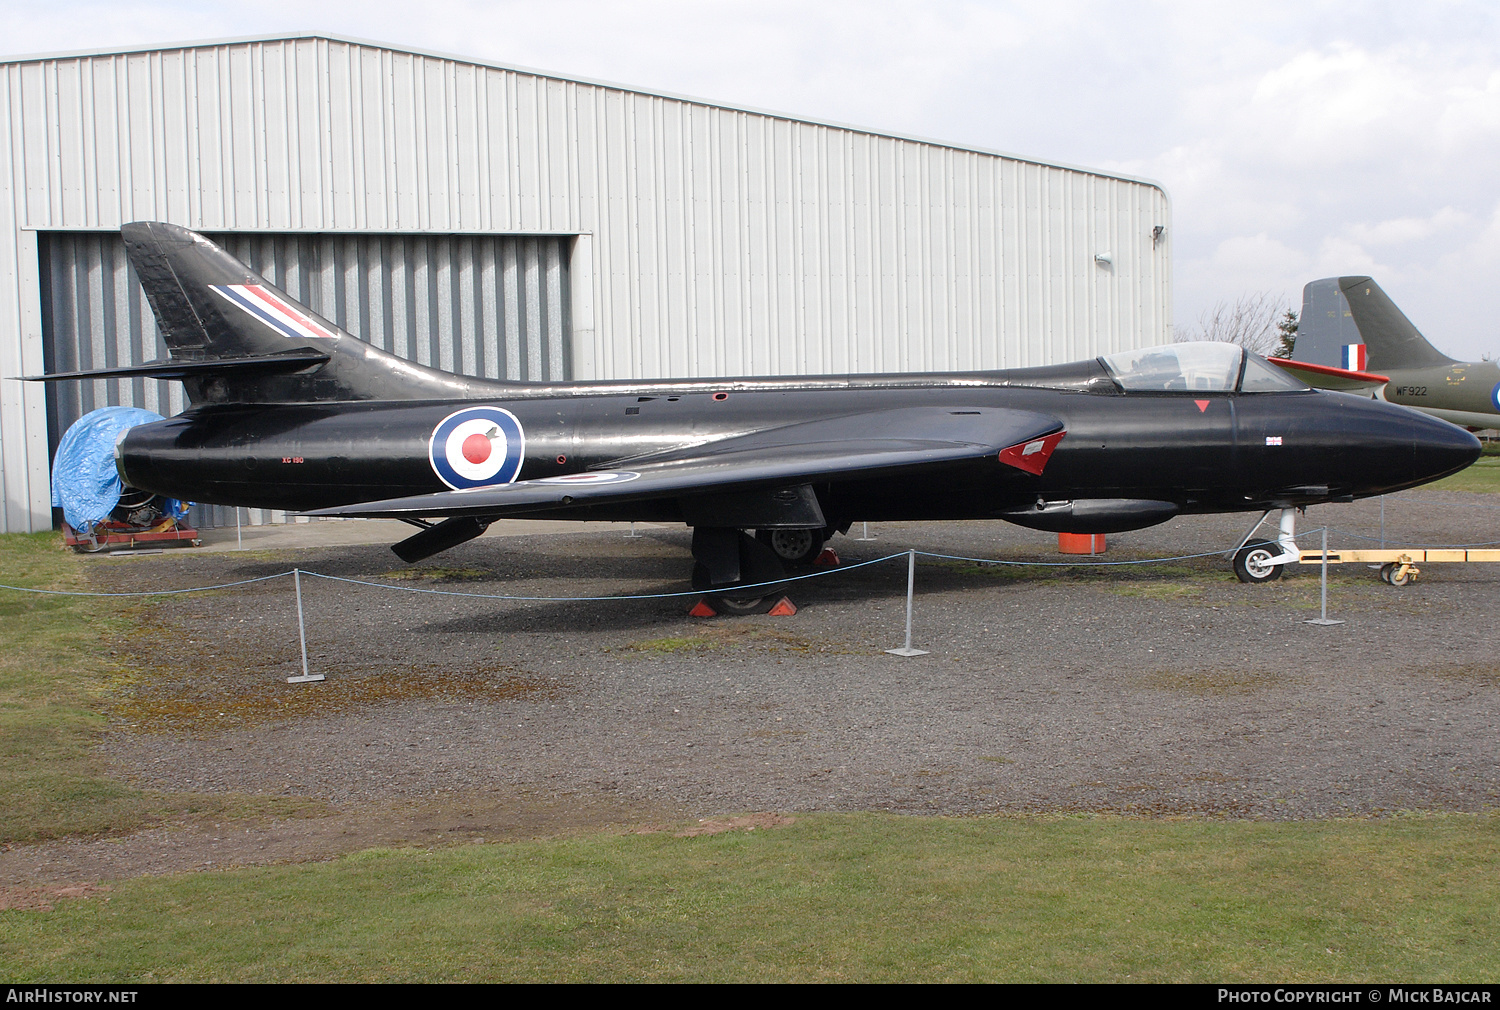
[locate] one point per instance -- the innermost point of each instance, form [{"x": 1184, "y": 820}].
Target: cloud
[
  {"x": 1401, "y": 230},
  {"x": 1297, "y": 139}
]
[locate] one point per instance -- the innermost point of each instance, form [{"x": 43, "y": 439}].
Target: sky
[{"x": 1296, "y": 140}]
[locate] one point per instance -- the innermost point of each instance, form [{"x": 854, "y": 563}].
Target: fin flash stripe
[{"x": 282, "y": 316}]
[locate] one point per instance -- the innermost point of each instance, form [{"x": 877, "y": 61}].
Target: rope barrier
[
  {"x": 154, "y": 592},
  {"x": 695, "y": 592},
  {"x": 910, "y": 554},
  {"x": 1078, "y": 564},
  {"x": 628, "y": 596},
  {"x": 599, "y": 599},
  {"x": 757, "y": 585}
]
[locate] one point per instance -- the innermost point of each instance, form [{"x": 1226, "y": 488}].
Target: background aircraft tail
[
  {"x": 1342, "y": 314},
  {"x": 235, "y": 338}
]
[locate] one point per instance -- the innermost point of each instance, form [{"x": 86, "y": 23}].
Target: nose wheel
[
  {"x": 1263, "y": 560},
  {"x": 1253, "y": 562}
]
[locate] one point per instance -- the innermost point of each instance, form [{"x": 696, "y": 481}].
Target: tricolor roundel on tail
[
  {"x": 283, "y": 316},
  {"x": 477, "y": 447}
]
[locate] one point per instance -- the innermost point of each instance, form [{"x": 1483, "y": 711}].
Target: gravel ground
[{"x": 1150, "y": 690}]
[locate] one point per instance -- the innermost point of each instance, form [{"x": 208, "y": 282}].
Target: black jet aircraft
[{"x": 290, "y": 412}]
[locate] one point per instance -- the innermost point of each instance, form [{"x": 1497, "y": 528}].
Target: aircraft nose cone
[
  {"x": 1442, "y": 448},
  {"x": 1388, "y": 447}
]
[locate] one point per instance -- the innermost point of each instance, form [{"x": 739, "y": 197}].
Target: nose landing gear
[
  {"x": 1254, "y": 562},
  {"x": 1259, "y": 561}
]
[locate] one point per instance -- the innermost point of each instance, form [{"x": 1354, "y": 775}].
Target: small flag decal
[{"x": 1354, "y": 357}]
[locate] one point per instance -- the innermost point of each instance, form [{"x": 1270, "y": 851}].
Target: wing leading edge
[
  {"x": 902, "y": 441},
  {"x": 1329, "y": 377}
]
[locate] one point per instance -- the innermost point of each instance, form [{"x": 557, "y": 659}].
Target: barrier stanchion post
[
  {"x": 911, "y": 581},
  {"x": 1382, "y": 530},
  {"x": 306, "y": 677},
  {"x": 632, "y": 535},
  {"x": 866, "y": 534},
  {"x": 1322, "y": 617}
]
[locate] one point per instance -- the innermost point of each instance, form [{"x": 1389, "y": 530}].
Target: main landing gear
[
  {"x": 731, "y": 567},
  {"x": 794, "y": 547},
  {"x": 1257, "y": 561}
]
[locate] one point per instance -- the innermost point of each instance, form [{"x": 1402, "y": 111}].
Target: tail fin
[
  {"x": 1339, "y": 312},
  {"x": 233, "y": 337}
]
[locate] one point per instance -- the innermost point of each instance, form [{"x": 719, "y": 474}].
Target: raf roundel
[{"x": 476, "y": 447}]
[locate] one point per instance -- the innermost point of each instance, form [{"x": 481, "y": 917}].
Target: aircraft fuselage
[{"x": 1203, "y": 452}]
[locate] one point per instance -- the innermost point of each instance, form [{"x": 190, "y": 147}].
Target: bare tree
[{"x": 1254, "y": 321}]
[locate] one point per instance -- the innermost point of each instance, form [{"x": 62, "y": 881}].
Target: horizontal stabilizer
[
  {"x": 288, "y": 361},
  {"x": 1329, "y": 377},
  {"x": 903, "y": 441}
]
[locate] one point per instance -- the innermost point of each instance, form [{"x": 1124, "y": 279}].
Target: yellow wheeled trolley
[{"x": 1400, "y": 566}]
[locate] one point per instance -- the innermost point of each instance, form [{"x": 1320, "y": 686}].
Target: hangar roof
[{"x": 475, "y": 61}]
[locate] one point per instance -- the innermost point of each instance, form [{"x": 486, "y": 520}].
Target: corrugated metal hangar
[{"x": 513, "y": 223}]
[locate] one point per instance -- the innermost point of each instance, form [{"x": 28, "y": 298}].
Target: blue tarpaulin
[{"x": 85, "y": 484}]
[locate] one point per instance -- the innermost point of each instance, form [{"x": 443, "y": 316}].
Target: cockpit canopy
[{"x": 1199, "y": 367}]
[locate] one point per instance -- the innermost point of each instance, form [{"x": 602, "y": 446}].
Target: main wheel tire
[
  {"x": 793, "y": 547},
  {"x": 733, "y": 602},
  {"x": 1250, "y": 562},
  {"x": 741, "y": 606}
]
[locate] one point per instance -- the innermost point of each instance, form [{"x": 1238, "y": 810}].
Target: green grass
[
  {"x": 833, "y": 897},
  {"x": 855, "y": 897},
  {"x": 1483, "y": 477},
  {"x": 56, "y": 683},
  {"x": 52, "y": 685}
]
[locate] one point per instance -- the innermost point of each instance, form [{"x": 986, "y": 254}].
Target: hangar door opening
[{"x": 494, "y": 306}]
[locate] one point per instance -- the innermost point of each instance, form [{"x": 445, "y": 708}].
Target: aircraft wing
[
  {"x": 901, "y": 442},
  {"x": 1328, "y": 377}
]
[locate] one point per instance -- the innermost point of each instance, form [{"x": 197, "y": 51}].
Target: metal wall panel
[
  {"x": 483, "y": 305},
  {"x": 723, "y": 241}
]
